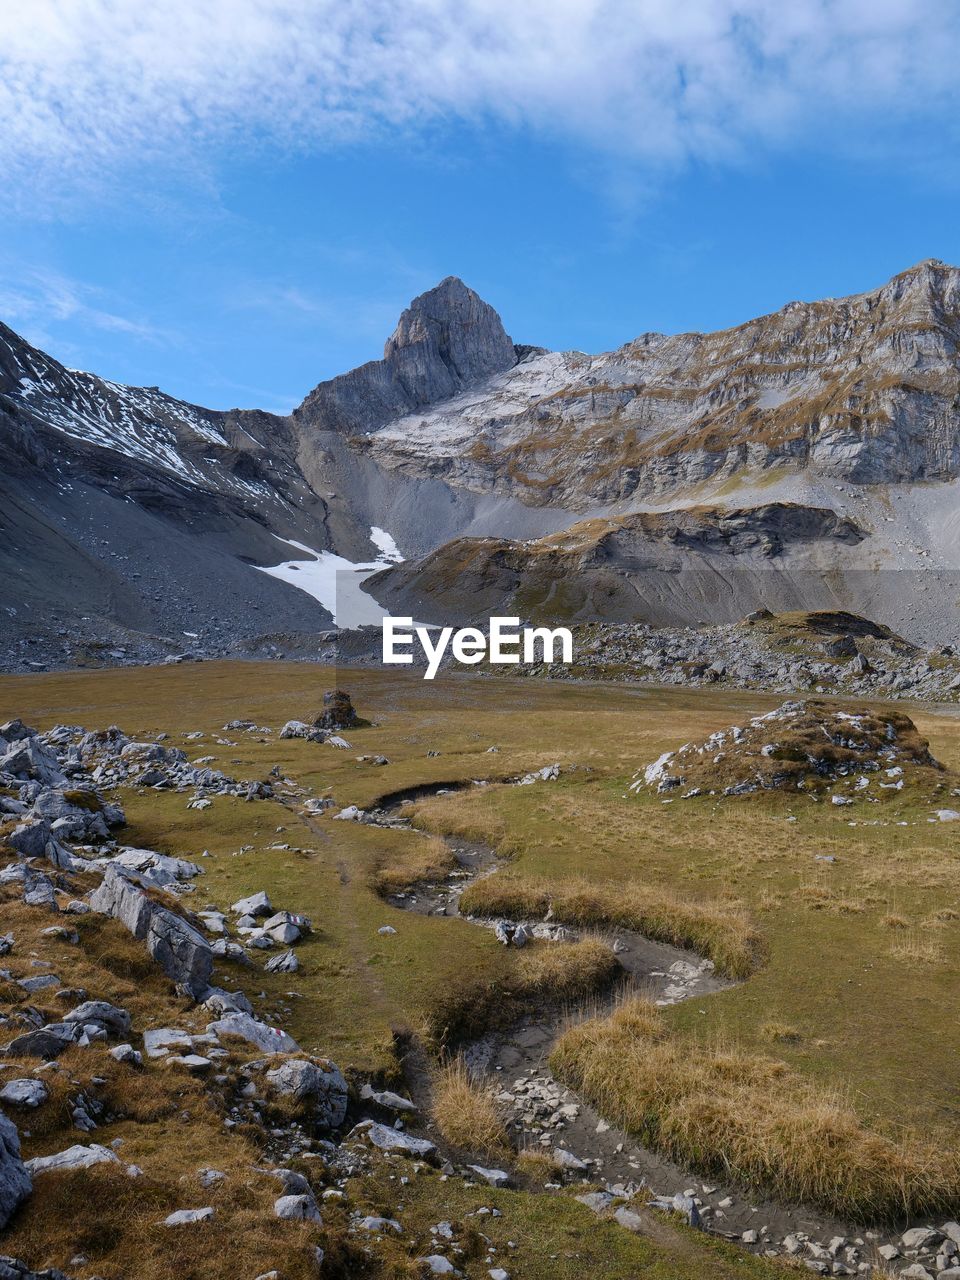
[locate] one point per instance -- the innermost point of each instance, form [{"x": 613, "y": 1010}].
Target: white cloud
[
  {"x": 35, "y": 300},
  {"x": 89, "y": 85}
]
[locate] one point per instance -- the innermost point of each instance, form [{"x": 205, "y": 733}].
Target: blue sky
[{"x": 235, "y": 221}]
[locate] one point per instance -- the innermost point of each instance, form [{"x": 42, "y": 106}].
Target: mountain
[
  {"x": 863, "y": 389},
  {"x": 134, "y": 525},
  {"x": 446, "y": 341}
]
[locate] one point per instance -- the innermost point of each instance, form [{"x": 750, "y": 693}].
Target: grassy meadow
[{"x": 847, "y": 969}]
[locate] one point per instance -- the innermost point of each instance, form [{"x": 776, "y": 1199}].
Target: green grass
[{"x": 867, "y": 1005}]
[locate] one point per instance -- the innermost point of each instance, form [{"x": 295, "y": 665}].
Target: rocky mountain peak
[
  {"x": 452, "y": 326},
  {"x": 447, "y": 340}
]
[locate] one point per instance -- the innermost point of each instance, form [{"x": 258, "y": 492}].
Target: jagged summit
[{"x": 446, "y": 341}]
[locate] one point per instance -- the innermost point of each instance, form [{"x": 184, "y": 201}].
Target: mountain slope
[
  {"x": 864, "y": 389},
  {"x": 694, "y": 565}
]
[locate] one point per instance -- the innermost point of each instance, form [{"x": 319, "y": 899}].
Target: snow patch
[{"x": 336, "y": 582}]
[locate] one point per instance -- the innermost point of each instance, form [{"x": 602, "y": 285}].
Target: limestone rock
[
  {"x": 181, "y": 950},
  {"x": 316, "y": 1081},
  {"x": 15, "y": 1180}
]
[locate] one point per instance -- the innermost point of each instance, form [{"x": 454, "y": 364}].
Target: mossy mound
[{"x": 801, "y": 746}]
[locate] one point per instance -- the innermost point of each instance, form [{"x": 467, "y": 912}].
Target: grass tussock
[
  {"x": 545, "y": 974},
  {"x": 780, "y": 1033},
  {"x": 466, "y": 1114},
  {"x": 918, "y": 946},
  {"x": 728, "y": 1112},
  {"x": 427, "y": 859},
  {"x": 894, "y": 921},
  {"x": 720, "y": 931},
  {"x": 538, "y": 1164}
]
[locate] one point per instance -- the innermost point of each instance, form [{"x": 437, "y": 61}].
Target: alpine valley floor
[{"x": 747, "y": 998}]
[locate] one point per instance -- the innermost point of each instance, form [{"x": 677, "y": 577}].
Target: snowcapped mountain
[{"x": 135, "y": 524}]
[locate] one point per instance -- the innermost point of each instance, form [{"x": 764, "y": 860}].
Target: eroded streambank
[{"x": 544, "y": 1114}]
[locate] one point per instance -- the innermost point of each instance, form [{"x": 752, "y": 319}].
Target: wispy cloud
[
  {"x": 89, "y": 85},
  {"x": 35, "y": 300}
]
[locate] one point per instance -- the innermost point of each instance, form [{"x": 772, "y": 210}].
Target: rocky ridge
[{"x": 861, "y": 388}]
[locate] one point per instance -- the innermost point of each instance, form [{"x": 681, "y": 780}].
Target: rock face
[
  {"x": 696, "y": 564},
  {"x": 447, "y": 340},
  {"x": 665, "y": 412},
  {"x": 180, "y": 950},
  {"x": 15, "y": 1183}
]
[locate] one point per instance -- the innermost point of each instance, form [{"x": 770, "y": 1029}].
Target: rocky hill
[{"x": 695, "y": 564}]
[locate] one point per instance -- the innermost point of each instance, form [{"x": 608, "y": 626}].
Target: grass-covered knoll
[{"x": 857, "y": 752}]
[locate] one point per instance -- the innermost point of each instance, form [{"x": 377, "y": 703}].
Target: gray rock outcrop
[
  {"x": 316, "y": 1082},
  {"x": 181, "y": 950},
  {"x": 15, "y": 1182},
  {"x": 447, "y": 340}
]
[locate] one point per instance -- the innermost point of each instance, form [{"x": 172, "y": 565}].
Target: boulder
[
  {"x": 38, "y": 891},
  {"x": 44, "y": 1042},
  {"x": 438, "y": 1265},
  {"x": 301, "y": 1208},
  {"x": 184, "y": 1217},
  {"x": 258, "y": 904},
  {"x": 219, "y": 1002},
  {"x": 316, "y": 1082},
  {"x": 128, "y": 1054},
  {"x": 158, "y": 1041},
  {"x": 300, "y": 729},
  {"x": 30, "y": 838},
  {"x": 15, "y": 1181},
  {"x": 269, "y": 1039},
  {"x": 181, "y": 950},
  {"x": 286, "y": 962},
  {"x": 77, "y": 1157},
  {"x": 156, "y": 868},
  {"x": 28, "y": 758},
  {"x": 26, "y": 1092},
  {"x": 113, "y": 1020},
  {"x": 493, "y": 1177},
  {"x": 337, "y": 713},
  {"x": 390, "y": 1101},
  {"x": 374, "y": 1223},
  {"x": 387, "y": 1139}
]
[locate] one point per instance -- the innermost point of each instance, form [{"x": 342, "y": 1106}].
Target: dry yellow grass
[
  {"x": 466, "y": 1114},
  {"x": 727, "y": 1112},
  {"x": 918, "y": 946},
  {"x": 780, "y": 1033},
  {"x": 720, "y": 931},
  {"x": 893, "y": 921},
  {"x": 545, "y": 974},
  {"x": 428, "y": 858},
  {"x": 537, "y": 1164}
]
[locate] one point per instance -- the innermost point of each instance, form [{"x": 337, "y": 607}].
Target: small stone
[
  {"x": 298, "y": 1208},
  {"x": 182, "y": 1217}
]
